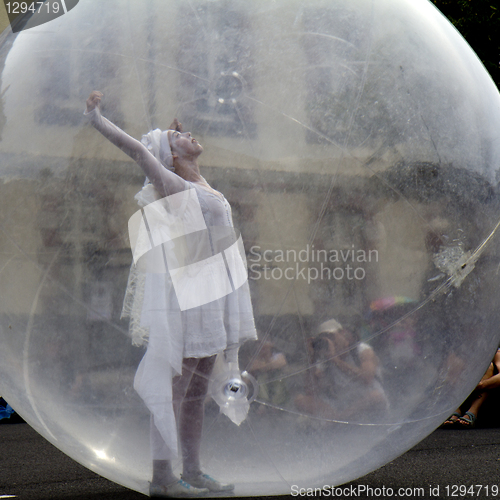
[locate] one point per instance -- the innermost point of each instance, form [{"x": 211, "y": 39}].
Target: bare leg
[
  {"x": 478, "y": 402},
  {"x": 190, "y": 391},
  {"x": 163, "y": 473},
  {"x": 313, "y": 405},
  {"x": 467, "y": 420}
]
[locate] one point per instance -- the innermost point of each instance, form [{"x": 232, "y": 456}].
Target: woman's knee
[{"x": 489, "y": 372}]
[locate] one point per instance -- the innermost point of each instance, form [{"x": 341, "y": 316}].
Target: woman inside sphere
[{"x": 186, "y": 330}]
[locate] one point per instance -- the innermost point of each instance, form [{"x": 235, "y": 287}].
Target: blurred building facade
[{"x": 303, "y": 168}]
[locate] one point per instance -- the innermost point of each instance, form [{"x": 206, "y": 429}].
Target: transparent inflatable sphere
[{"x": 357, "y": 143}]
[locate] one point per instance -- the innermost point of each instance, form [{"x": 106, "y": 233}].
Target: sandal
[
  {"x": 467, "y": 420},
  {"x": 452, "y": 421}
]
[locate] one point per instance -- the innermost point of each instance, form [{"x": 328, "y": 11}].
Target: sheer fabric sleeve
[{"x": 163, "y": 180}]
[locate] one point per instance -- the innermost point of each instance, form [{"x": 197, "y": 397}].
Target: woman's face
[{"x": 184, "y": 145}]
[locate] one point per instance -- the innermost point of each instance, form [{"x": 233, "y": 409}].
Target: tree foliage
[{"x": 479, "y": 23}]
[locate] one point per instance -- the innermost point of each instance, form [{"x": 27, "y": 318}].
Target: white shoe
[
  {"x": 201, "y": 480},
  {"x": 175, "y": 490}
]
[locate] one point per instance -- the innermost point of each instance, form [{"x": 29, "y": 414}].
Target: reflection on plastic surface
[
  {"x": 170, "y": 236},
  {"x": 165, "y": 220},
  {"x": 357, "y": 143}
]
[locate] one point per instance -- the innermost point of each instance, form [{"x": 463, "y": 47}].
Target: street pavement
[{"x": 449, "y": 464}]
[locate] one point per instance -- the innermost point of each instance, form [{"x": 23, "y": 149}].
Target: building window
[{"x": 215, "y": 60}]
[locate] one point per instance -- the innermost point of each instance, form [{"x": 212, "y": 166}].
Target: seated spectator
[
  {"x": 267, "y": 367},
  {"x": 483, "y": 390},
  {"x": 345, "y": 378}
]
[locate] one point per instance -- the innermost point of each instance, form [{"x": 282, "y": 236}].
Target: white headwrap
[{"x": 157, "y": 142}]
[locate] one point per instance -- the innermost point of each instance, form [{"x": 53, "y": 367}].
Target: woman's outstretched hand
[
  {"x": 94, "y": 100},
  {"x": 176, "y": 125}
]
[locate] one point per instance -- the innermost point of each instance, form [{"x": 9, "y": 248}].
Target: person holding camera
[{"x": 345, "y": 380}]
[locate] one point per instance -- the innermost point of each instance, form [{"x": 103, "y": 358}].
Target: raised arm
[{"x": 163, "y": 180}]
